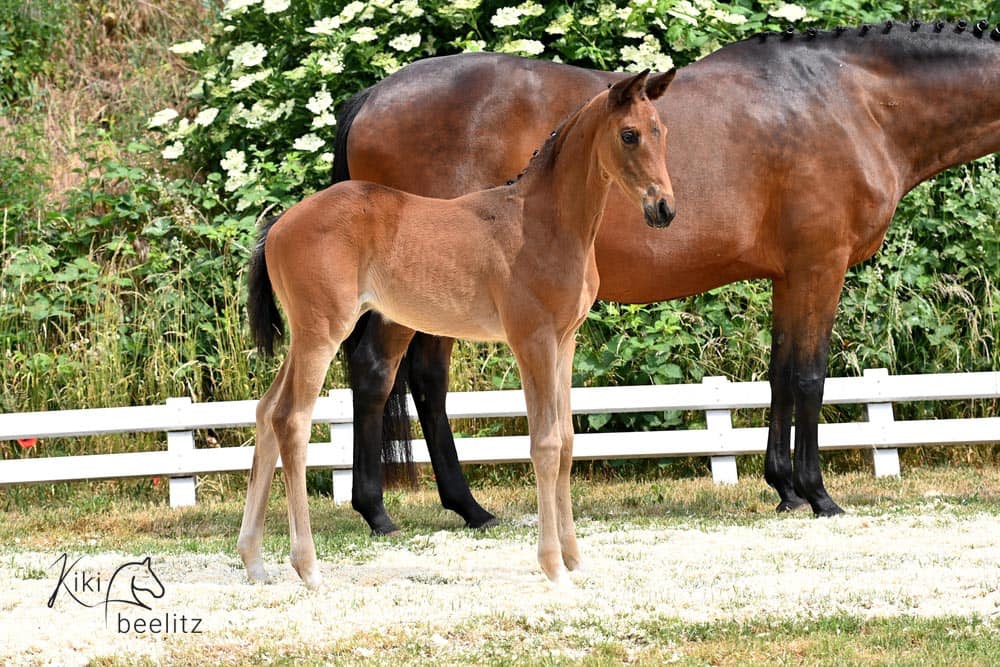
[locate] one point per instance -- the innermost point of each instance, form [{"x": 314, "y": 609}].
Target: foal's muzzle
[{"x": 659, "y": 212}]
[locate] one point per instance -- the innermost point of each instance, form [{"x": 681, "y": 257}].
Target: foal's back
[{"x": 437, "y": 265}]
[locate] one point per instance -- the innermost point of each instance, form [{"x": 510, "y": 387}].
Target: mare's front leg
[
  {"x": 536, "y": 356},
  {"x": 813, "y": 307},
  {"x": 373, "y": 365},
  {"x": 778, "y": 459},
  {"x": 428, "y": 360}
]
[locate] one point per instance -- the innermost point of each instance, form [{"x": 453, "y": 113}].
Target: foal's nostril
[{"x": 666, "y": 213}]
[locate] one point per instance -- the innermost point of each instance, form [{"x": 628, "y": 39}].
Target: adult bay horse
[
  {"x": 513, "y": 263},
  {"x": 796, "y": 150}
]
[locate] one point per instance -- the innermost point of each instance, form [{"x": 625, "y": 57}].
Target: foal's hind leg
[
  {"x": 265, "y": 455},
  {"x": 306, "y": 366}
]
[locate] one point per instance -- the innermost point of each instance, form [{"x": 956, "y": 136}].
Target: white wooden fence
[{"x": 181, "y": 461}]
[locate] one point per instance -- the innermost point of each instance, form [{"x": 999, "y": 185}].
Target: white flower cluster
[
  {"x": 646, "y": 56},
  {"x": 235, "y": 166},
  {"x": 508, "y": 16},
  {"x": 406, "y": 42},
  {"x": 321, "y": 106},
  {"x": 245, "y": 81},
  {"x": 788, "y": 11},
  {"x": 188, "y": 48},
  {"x": 261, "y": 113},
  {"x": 247, "y": 55},
  {"x": 308, "y": 142},
  {"x": 529, "y": 47},
  {"x": 276, "y": 6}
]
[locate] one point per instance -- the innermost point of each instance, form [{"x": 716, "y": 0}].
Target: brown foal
[{"x": 513, "y": 264}]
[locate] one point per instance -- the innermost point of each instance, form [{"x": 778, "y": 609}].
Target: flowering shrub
[{"x": 261, "y": 121}]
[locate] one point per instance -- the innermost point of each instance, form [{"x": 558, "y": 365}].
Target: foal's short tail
[
  {"x": 397, "y": 454},
  {"x": 265, "y": 319}
]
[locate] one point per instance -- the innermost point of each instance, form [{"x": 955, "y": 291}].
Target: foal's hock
[{"x": 513, "y": 264}]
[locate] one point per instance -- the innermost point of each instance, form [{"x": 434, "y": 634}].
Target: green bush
[{"x": 136, "y": 275}]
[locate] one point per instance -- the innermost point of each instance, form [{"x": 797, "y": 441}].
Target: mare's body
[{"x": 796, "y": 151}]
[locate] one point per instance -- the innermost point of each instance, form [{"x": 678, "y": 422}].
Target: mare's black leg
[
  {"x": 778, "y": 459},
  {"x": 808, "y": 297},
  {"x": 429, "y": 358},
  {"x": 373, "y": 366},
  {"x": 810, "y": 376}
]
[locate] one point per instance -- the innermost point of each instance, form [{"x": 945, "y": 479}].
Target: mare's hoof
[
  {"x": 385, "y": 530},
  {"x": 490, "y": 522},
  {"x": 827, "y": 508},
  {"x": 791, "y": 505},
  {"x": 391, "y": 533}
]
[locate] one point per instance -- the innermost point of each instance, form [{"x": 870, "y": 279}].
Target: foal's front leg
[
  {"x": 564, "y": 503},
  {"x": 537, "y": 362}
]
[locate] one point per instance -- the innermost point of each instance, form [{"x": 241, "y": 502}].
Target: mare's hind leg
[
  {"x": 429, "y": 357},
  {"x": 373, "y": 367},
  {"x": 536, "y": 359},
  {"x": 265, "y": 455},
  {"x": 308, "y": 359},
  {"x": 778, "y": 459}
]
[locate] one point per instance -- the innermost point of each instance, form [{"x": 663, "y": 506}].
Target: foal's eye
[{"x": 630, "y": 136}]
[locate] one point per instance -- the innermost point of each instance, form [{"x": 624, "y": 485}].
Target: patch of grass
[
  {"x": 99, "y": 521},
  {"x": 502, "y": 640}
]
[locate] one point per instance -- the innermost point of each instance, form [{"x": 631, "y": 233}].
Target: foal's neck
[{"x": 566, "y": 188}]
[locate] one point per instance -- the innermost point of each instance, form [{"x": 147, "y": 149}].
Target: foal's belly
[{"x": 439, "y": 313}]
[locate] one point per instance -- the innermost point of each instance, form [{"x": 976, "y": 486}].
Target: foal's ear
[
  {"x": 627, "y": 90},
  {"x": 657, "y": 84}
]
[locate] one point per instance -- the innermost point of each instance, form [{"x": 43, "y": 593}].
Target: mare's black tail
[
  {"x": 265, "y": 319},
  {"x": 397, "y": 454}
]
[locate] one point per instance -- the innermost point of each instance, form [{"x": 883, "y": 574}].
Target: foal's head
[{"x": 634, "y": 147}]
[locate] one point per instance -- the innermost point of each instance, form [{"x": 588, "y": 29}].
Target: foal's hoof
[
  {"x": 560, "y": 581},
  {"x": 491, "y": 522},
  {"x": 573, "y": 563},
  {"x": 257, "y": 574},
  {"x": 312, "y": 580}
]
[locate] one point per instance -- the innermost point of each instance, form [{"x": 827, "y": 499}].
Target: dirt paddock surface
[{"x": 454, "y": 587}]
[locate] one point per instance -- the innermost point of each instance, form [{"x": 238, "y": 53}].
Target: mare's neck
[
  {"x": 940, "y": 110},
  {"x": 567, "y": 190}
]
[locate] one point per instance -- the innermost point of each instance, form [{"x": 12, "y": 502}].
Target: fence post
[
  {"x": 182, "y": 489},
  {"x": 886, "y": 460},
  {"x": 342, "y": 438},
  {"x": 721, "y": 422}
]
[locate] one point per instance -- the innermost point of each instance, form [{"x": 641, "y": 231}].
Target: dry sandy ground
[{"x": 794, "y": 567}]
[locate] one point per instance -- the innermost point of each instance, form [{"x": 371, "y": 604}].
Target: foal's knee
[{"x": 546, "y": 456}]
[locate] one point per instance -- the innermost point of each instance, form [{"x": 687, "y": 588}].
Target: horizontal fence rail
[{"x": 717, "y": 397}]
